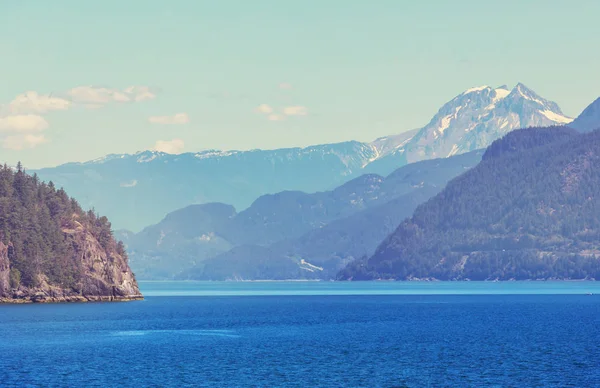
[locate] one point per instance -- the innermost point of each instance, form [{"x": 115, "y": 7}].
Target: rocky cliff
[
  {"x": 53, "y": 251},
  {"x": 105, "y": 275}
]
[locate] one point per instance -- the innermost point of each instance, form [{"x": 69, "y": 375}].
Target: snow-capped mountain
[
  {"x": 473, "y": 120},
  {"x": 139, "y": 189}
]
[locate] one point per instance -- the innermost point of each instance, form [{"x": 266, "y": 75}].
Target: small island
[{"x": 51, "y": 250}]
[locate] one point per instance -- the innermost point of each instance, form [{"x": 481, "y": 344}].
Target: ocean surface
[{"x": 309, "y": 334}]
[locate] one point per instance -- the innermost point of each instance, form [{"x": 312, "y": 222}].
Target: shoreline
[{"x": 70, "y": 299}]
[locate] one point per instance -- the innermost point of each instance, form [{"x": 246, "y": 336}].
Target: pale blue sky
[{"x": 357, "y": 69}]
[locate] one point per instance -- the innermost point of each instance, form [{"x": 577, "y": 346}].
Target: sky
[{"x": 82, "y": 79}]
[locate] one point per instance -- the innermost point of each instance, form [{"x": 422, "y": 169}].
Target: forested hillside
[
  {"x": 529, "y": 210},
  {"x": 328, "y": 228},
  {"x": 51, "y": 249}
]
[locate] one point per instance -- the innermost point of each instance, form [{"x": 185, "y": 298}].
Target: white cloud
[
  {"x": 140, "y": 93},
  {"x": 174, "y": 146},
  {"x": 295, "y": 110},
  {"x": 178, "y": 118},
  {"x": 23, "y": 124},
  {"x": 32, "y": 102},
  {"x": 264, "y": 108},
  {"x": 132, "y": 183},
  {"x": 285, "y": 86},
  {"x": 99, "y": 95},
  {"x": 275, "y": 117},
  {"x": 92, "y": 95},
  {"x": 20, "y": 142}
]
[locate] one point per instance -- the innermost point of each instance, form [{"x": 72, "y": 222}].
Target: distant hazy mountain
[
  {"x": 138, "y": 190},
  {"x": 589, "y": 119},
  {"x": 181, "y": 240},
  {"x": 319, "y": 233},
  {"x": 529, "y": 210}
]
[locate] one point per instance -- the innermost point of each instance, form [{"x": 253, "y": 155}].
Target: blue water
[{"x": 311, "y": 334}]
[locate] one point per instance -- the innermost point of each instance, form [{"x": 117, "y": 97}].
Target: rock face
[
  {"x": 106, "y": 276},
  {"x": 53, "y": 251},
  {"x": 4, "y": 269}
]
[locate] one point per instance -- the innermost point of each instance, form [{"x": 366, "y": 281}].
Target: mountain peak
[
  {"x": 477, "y": 117},
  {"x": 476, "y": 89},
  {"x": 589, "y": 119},
  {"x": 522, "y": 90}
]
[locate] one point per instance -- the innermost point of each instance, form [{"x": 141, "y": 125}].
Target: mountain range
[
  {"x": 296, "y": 230},
  {"x": 138, "y": 190},
  {"x": 300, "y": 235},
  {"x": 529, "y": 210}
]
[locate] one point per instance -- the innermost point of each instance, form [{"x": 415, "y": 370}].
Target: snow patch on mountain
[
  {"x": 475, "y": 89},
  {"x": 477, "y": 117},
  {"x": 556, "y": 117}
]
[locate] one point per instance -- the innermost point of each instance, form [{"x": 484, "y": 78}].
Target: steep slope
[
  {"x": 473, "y": 120},
  {"x": 181, "y": 240},
  {"x": 589, "y": 119},
  {"x": 52, "y": 251},
  {"x": 529, "y": 210},
  {"x": 378, "y": 206},
  {"x": 357, "y": 235}
]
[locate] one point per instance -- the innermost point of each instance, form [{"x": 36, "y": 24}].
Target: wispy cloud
[
  {"x": 295, "y": 110},
  {"x": 140, "y": 93},
  {"x": 102, "y": 96},
  {"x": 273, "y": 114},
  {"x": 23, "y": 124},
  {"x": 174, "y": 146},
  {"x": 22, "y": 131},
  {"x": 264, "y": 108},
  {"x": 285, "y": 86},
  {"x": 275, "y": 117},
  {"x": 21, "y": 120},
  {"x": 178, "y": 118},
  {"x": 132, "y": 183},
  {"x": 32, "y": 102},
  {"x": 21, "y": 142}
]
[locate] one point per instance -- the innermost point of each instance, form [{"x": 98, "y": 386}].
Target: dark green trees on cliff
[
  {"x": 33, "y": 217},
  {"x": 529, "y": 210}
]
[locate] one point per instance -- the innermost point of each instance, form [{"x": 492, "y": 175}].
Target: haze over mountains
[
  {"x": 589, "y": 119},
  {"x": 529, "y": 210},
  {"x": 121, "y": 185},
  {"x": 298, "y": 235},
  {"x": 291, "y": 230}
]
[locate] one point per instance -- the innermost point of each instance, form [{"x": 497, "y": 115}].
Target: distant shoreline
[{"x": 71, "y": 299}]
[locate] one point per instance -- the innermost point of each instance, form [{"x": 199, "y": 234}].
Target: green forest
[
  {"x": 529, "y": 210},
  {"x": 33, "y": 217}
]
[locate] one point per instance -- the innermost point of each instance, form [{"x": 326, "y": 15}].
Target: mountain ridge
[
  {"x": 292, "y": 223},
  {"x": 119, "y": 183},
  {"x": 536, "y": 221}
]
